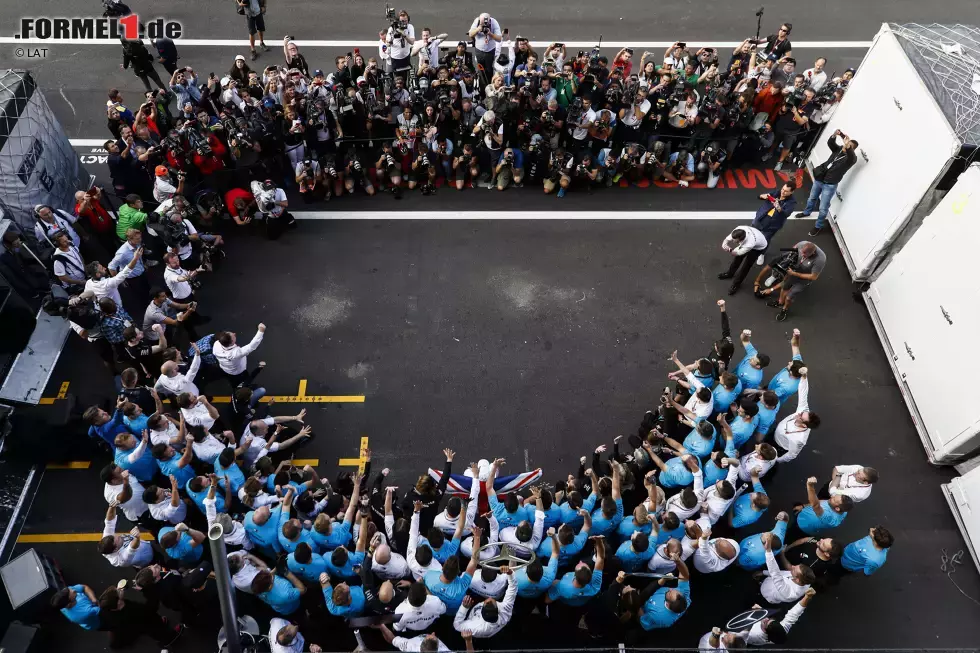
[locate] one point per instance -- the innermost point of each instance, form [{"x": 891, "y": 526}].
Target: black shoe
[
  {"x": 782, "y": 315},
  {"x": 773, "y": 303},
  {"x": 725, "y": 275},
  {"x": 255, "y": 55},
  {"x": 815, "y": 231},
  {"x": 801, "y": 214},
  {"x": 733, "y": 289}
]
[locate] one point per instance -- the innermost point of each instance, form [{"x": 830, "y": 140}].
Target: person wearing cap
[
  {"x": 162, "y": 188},
  {"x": 272, "y": 205}
]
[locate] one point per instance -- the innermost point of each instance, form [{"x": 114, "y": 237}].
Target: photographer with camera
[
  {"x": 580, "y": 118},
  {"x": 442, "y": 154},
  {"x": 272, "y": 205},
  {"x": 560, "y": 168},
  {"x": 388, "y": 167},
  {"x": 180, "y": 282},
  {"x": 737, "y": 121},
  {"x": 655, "y": 160},
  {"x": 400, "y": 38},
  {"x": 631, "y": 118},
  {"x": 827, "y": 175},
  {"x": 422, "y": 172},
  {"x": 777, "y": 46},
  {"x": 162, "y": 188},
  {"x": 709, "y": 164},
  {"x": 465, "y": 164},
  {"x": 584, "y": 174},
  {"x": 309, "y": 178},
  {"x": 608, "y": 166},
  {"x": 602, "y": 129},
  {"x": 792, "y": 273},
  {"x": 486, "y": 34},
  {"x": 630, "y": 164},
  {"x": 676, "y": 56},
  {"x": 772, "y": 215},
  {"x": 510, "y": 169},
  {"x": 355, "y": 174},
  {"x": 180, "y": 235},
  {"x": 790, "y": 122},
  {"x": 680, "y": 168}
]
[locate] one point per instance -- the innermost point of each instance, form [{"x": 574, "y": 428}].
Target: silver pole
[{"x": 226, "y": 590}]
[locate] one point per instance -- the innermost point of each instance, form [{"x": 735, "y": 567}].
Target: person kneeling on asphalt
[
  {"x": 272, "y": 204},
  {"x": 559, "y": 172},
  {"x": 805, "y": 269},
  {"x": 509, "y": 169}
]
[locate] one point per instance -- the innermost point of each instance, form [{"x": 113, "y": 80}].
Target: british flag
[{"x": 459, "y": 485}]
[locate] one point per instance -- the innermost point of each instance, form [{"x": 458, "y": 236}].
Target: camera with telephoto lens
[
  {"x": 509, "y": 158},
  {"x": 780, "y": 268}
]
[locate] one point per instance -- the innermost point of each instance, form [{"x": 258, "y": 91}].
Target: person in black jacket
[
  {"x": 127, "y": 620},
  {"x": 772, "y": 215},
  {"x": 827, "y": 175},
  {"x": 168, "y": 54},
  {"x": 136, "y": 55},
  {"x": 429, "y": 494}
]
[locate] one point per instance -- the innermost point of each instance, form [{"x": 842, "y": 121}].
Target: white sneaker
[
  {"x": 760, "y": 260},
  {"x": 683, "y": 184}
]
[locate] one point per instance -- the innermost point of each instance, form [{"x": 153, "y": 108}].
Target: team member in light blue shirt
[
  {"x": 552, "y": 511},
  {"x": 182, "y": 544},
  {"x": 262, "y": 529},
  {"x": 534, "y": 580},
  {"x": 635, "y": 553},
  {"x": 607, "y": 518},
  {"x": 227, "y": 467},
  {"x": 745, "y": 423},
  {"x": 726, "y": 392},
  {"x": 570, "y": 543},
  {"x": 291, "y": 531},
  {"x": 79, "y": 604},
  {"x": 571, "y": 510},
  {"x": 640, "y": 522},
  {"x": 749, "y": 506},
  {"x": 134, "y": 456},
  {"x": 672, "y": 527},
  {"x": 172, "y": 464},
  {"x": 663, "y": 606},
  {"x": 701, "y": 440},
  {"x": 821, "y": 516},
  {"x": 306, "y": 563},
  {"x": 343, "y": 600},
  {"x": 577, "y": 587},
  {"x": 787, "y": 380},
  {"x": 280, "y": 594},
  {"x": 768, "y": 410},
  {"x": 448, "y": 585},
  {"x": 508, "y": 513},
  {"x": 869, "y": 553},
  {"x": 749, "y": 370},
  {"x": 328, "y": 534},
  {"x": 134, "y": 417},
  {"x": 677, "y": 471},
  {"x": 200, "y": 488},
  {"x": 341, "y": 562},
  {"x": 752, "y": 549}
]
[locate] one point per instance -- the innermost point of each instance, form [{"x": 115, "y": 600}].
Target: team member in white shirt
[
  {"x": 123, "y": 550},
  {"x": 258, "y": 429},
  {"x": 284, "y": 637},
  {"x": 416, "y": 644},
  {"x": 770, "y": 631},
  {"x": 794, "y": 430},
  {"x": 716, "y": 499},
  {"x": 388, "y": 565},
  {"x": 782, "y": 586},
  {"x": 197, "y": 410},
  {"x": 701, "y": 403},
  {"x": 233, "y": 531},
  {"x": 400, "y": 42},
  {"x": 816, "y": 77},
  {"x": 631, "y": 117},
  {"x": 172, "y": 383},
  {"x": 488, "y": 618},
  {"x": 419, "y": 610},
  {"x": 166, "y": 506},
  {"x": 714, "y": 555},
  {"x": 719, "y": 641},
  {"x": 759, "y": 460},
  {"x": 67, "y": 262},
  {"x": 244, "y": 567},
  {"x": 100, "y": 285},
  {"x": 854, "y": 481},
  {"x": 124, "y": 490},
  {"x": 411, "y": 554},
  {"x": 427, "y": 48},
  {"x": 177, "y": 279},
  {"x": 233, "y": 359}
]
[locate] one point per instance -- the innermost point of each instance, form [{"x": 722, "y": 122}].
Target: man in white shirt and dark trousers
[
  {"x": 794, "y": 430},
  {"x": 399, "y": 39},
  {"x": 233, "y": 359},
  {"x": 745, "y": 244},
  {"x": 770, "y": 631},
  {"x": 486, "y": 35},
  {"x": 854, "y": 481},
  {"x": 179, "y": 281},
  {"x": 781, "y": 586}
]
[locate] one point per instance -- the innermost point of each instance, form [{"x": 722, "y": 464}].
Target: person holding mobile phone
[{"x": 772, "y": 215}]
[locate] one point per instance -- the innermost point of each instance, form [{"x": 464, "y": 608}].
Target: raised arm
[
  {"x": 803, "y": 398},
  {"x": 811, "y": 495},
  {"x": 726, "y": 327},
  {"x": 446, "y": 471},
  {"x": 617, "y": 484},
  {"x": 795, "y": 343},
  {"x": 475, "y": 556},
  {"x": 362, "y": 536}
]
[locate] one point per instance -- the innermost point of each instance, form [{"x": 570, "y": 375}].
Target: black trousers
[
  {"x": 741, "y": 265},
  {"x": 486, "y": 60},
  {"x": 151, "y": 73}
]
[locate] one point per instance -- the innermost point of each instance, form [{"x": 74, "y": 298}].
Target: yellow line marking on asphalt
[
  {"x": 302, "y": 462},
  {"x": 361, "y": 461},
  {"x": 349, "y": 462},
  {"x": 302, "y": 388},
  {"x": 300, "y": 398},
  {"x": 46, "y": 401},
  {"x": 63, "y": 391},
  {"x": 76, "y": 464},
  {"x": 65, "y": 538}
]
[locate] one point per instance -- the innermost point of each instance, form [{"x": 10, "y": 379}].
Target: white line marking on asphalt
[
  {"x": 243, "y": 43},
  {"x": 527, "y": 464},
  {"x": 557, "y": 214},
  {"x": 65, "y": 98}
]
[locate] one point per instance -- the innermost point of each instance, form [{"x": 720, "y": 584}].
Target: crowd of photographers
[{"x": 482, "y": 110}]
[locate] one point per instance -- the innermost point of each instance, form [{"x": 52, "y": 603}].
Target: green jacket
[
  {"x": 129, "y": 218},
  {"x": 566, "y": 91}
]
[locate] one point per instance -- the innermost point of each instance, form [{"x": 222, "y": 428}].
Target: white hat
[
  {"x": 240, "y": 57},
  {"x": 225, "y": 81},
  {"x": 361, "y": 79}
]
